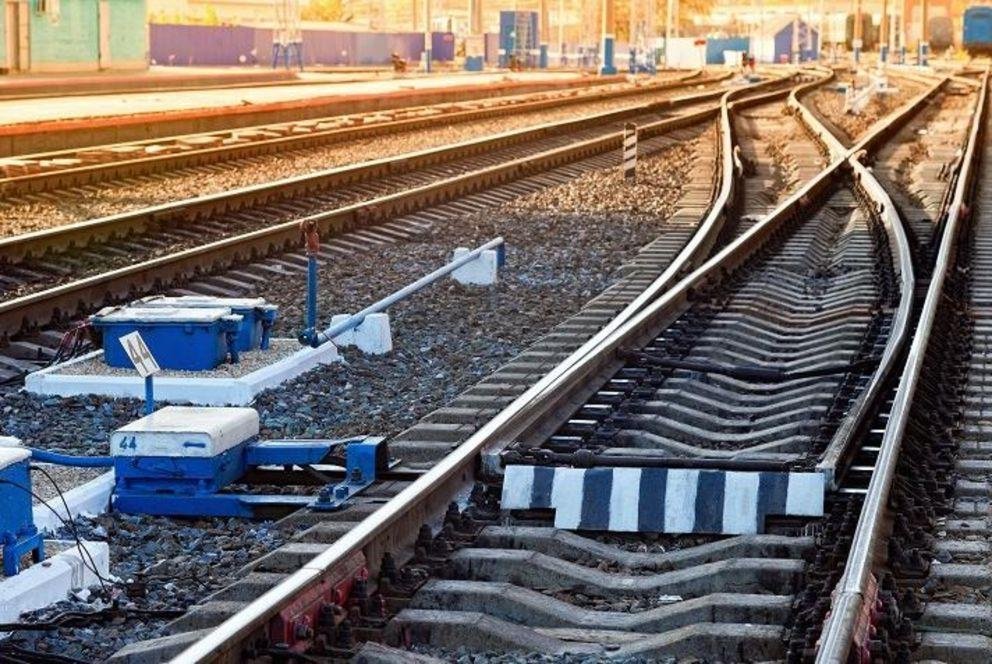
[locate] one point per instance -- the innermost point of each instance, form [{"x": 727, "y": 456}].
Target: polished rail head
[{"x": 838, "y": 632}]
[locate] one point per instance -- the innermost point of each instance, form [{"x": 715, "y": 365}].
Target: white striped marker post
[{"x": 629, "y": 150}]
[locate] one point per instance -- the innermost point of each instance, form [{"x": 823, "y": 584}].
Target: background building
[{"x": 73, "y": 35}]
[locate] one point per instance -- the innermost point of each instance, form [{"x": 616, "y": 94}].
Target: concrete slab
[
  {"x": 50, "y": 581},
  {"x": 89, "y": 499},
  {"x": 94, "y": 106},
  {"x": 188, "y": 388},
  {"x": 483, "y": 271},
  {"x": 374, "y": 336}
]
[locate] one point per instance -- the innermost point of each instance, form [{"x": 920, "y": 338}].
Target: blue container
[
  {"x": 15, "y": 514},
  {"x": 184, "y": 339},
  {"x": 256, "y": 314},
  {"x": 977, "y": 34},
  {"x": 474, "y": 63}
]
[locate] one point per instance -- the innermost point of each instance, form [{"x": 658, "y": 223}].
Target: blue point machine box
[
  {"x": 190, "y": 333},
  {"x": 183, "y": 339},
  {"x": 257, "y": 316}
]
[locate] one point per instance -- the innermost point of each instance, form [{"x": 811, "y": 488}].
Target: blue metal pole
[
  {"x": 44, "y": 456},
  {"x": 608, "y": 67},
  {"x": 311, "y": 293},
  {"x": 149, "y": 396}
]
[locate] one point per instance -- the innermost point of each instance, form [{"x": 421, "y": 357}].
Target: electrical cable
[
  {"x": 91, "y": 566},
  {"x": 17, "y": 655},
  {"x": 72, "y": 527},
  {"x": 80, "y": 618}
]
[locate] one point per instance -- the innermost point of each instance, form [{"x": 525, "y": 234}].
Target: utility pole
[
  {"x": 820, "y": 42},
  {"x": 427, "y": 36},
  {"x": 608, "y": 68},
  {"x": 669, "y": 10},
  {"x": 856, "y": 40},
  {"x": 883, "y": 47},
  {"x": 561, "y": 32},
  {"x": 475, "y": 17},
  {"x": 924, "y": 54},
  {"x": 545, "y": 33}
]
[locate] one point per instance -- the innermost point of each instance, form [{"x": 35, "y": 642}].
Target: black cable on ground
[
  {"x": 91, "y": 566},
  {"x": 12, "y": 654}
]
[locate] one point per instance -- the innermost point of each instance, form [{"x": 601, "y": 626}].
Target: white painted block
[
  {"x": 89, "y": 499},
  {"x": 345, "y": 339},
  {"x": 219, "y": 391},
  {"x": 186, "y": 431},
  {"x": 482, "y": 271},
  {"x": 48, "y": 582},
  {"x": 374, "y": 336}
]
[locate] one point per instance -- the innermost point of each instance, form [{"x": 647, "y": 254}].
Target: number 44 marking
[{"x": 137, "y": 351}]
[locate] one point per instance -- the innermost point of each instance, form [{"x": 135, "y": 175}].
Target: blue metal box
[
  {"x": 15, "y": 501},
  {"x": 184, "y": 339},
  {"x": 183, "y": 450},
  {"x": 18, "y": 535},
  {"x": 256, "y": 314}
]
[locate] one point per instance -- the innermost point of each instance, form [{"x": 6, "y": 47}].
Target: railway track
[
  {"x": 826, "y": 240},
  {"x": 56, "y": 275},
  {"x": 24, "y": 177},
  {"x": 919, "y": 552}
]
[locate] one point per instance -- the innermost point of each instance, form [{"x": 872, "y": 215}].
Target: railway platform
[{"x": 72, "y": 121}]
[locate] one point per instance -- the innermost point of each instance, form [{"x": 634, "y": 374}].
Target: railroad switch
[
  {"x": 364, "y": 460},
  {"x": 181, "y": 461}
]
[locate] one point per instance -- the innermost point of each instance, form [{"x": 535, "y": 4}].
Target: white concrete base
[
  {"x": 483, "y": 271},
  {"x": 89, "y": 499},
  {"x": 374, "y": 336},
  {"x": 225, "y": 391},
  {"x": 51, "y": 581}
]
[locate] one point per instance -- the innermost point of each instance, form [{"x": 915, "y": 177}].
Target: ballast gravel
[
  {"x": 74, "y": 205},
  {"x": 464, "y": 656},
  {"x": 828, "y": 103},
  {"x": 445, "y": 339}
]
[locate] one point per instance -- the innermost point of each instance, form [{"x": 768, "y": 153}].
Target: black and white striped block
[
  {"x": 629, "y": 158},
  {"x": 663, "y": 500}
]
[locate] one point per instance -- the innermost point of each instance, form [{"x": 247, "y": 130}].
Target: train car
[
  {"x": 977, "y": 39},
  {"x": 941, "y": 33}
]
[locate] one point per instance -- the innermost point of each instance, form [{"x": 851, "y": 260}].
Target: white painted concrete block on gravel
[
  {"x": 374, "y": 336},
  {"x": 48, "y": 582},
  {"x": 482, "y": 271},
  {"x": 191, "y": 389},
  {"x": 88, "y": 499}
]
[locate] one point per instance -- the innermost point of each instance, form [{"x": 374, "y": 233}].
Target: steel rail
[
  {"x": 429, "y": 495},
  {"x": 17, "y": 248},
  {"x": 849, "y": 595},
  {"x": 842, "y": 443},
  {"x": 65, "y": 300},
  {"x": 93, "y": 173}
]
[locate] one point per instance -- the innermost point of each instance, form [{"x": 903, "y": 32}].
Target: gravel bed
[
  {"x": 465, "y": 656},
  {"x": 445, "y": 339},
  {"x": 248, "y": 362},
  {"x": 162, "y": 564},
  {"x": 829, "y": 104},
  {"x": 635, "y": 604},
  {"x": 76, "y": 205},
  {"x": 63, "y": 477}
]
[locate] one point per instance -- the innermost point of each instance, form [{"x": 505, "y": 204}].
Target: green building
[{"x": 73, "y": 35}]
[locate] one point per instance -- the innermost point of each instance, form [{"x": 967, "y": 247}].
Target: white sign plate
[{"x": 137, "y": 351}]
